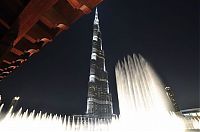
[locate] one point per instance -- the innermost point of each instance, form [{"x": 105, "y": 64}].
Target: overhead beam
[
  {"x": 47, "y": 22},
  {"x": 2, "y": 22},
  {"x": 30, "y": 15},
  {"x": 76, "y": 4},
  {"x": 7, "y": 62},
  {"x": 16, "y": 51},
  {"x": 29, "y": 38}
]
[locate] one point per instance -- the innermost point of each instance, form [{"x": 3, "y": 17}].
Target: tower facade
[{"x": 99, "y": 101}]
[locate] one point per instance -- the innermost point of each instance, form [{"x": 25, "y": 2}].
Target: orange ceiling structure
[{"x": 27, "y": 25}]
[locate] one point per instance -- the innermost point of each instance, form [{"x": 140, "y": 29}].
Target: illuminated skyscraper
[{"x": 99, "y": 101}]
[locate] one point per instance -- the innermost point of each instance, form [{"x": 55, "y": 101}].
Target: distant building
[
  {"x": 195, "y": 112},
  {"x": 99, "y": 100},
  {"x": 192, "y": 118},
  {"x": 14, "y": 102},
  {"x": 171, "y": 97}
]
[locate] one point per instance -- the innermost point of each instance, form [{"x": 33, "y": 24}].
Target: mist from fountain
[
  {"x": 143, "y": 102},
  {"x": 144, "y": 107}
]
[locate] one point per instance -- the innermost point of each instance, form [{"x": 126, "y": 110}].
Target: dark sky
[{"x": 164, "y": 32}]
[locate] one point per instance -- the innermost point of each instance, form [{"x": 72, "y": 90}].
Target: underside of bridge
[{"x": 28, "y": 25}]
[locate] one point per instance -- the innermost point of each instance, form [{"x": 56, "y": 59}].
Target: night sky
[{"x": 164, "y": 32}]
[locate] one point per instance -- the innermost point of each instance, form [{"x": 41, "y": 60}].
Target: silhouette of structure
[{"x": 27, "y": 25}]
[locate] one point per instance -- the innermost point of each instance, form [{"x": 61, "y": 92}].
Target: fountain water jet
[
  {"x": 144, "y": 107},
  {"x": 143, "y": 102}
]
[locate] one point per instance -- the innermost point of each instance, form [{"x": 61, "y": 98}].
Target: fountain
[
  {"x": 143, "y": 102},
  {"x": 144, "y": 107}
]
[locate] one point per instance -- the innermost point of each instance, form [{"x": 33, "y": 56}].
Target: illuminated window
[
  {"x": 95, "y": 38},
  {"x": 94, "y": 56},
  {"x": 92, "y": 78},
  {"x": 193, "y": 114}
]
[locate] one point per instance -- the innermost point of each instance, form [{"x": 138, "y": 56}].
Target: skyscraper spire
[
  {"x": 99, "y": 101},
  {"x": 96, "y": 20}
]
